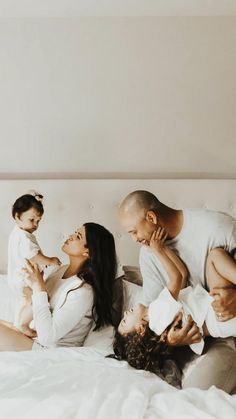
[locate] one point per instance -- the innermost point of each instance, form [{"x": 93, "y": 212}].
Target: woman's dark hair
[
  {"x": 27, "y": 201},
  {"x": 100, "y": 271},
  {"x": 148, "y": 352}
]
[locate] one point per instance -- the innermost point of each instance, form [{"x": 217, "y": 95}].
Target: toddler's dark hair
[{"x": 27, "y": 201}]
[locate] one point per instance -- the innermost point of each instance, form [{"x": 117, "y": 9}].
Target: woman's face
[{"x": 76, "y": 244}]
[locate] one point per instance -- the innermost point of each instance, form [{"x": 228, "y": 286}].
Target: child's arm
[
  {"x": 173, "y": 265},
  {"x": 178, "y": 263},
  {"x": 41, "y": 259}
]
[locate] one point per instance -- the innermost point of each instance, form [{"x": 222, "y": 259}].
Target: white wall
[{"x": 139, "y": 95}]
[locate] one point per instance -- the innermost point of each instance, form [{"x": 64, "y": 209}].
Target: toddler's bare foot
[{"x": 28, "y": 331}]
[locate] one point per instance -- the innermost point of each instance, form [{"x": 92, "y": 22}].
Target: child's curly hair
[{"x": 148, "y": 352}]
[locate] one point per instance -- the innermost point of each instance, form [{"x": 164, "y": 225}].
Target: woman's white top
[
  {"x": 67, "y": 319},
  {"x": 21, "y": 245},
  {"x": 194, "y": 301}
]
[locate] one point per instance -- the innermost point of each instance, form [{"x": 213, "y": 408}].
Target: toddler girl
[{"x": 27, "y": 212}]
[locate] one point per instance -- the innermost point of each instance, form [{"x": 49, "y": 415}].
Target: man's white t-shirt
[{"x": 202, "y": 231}]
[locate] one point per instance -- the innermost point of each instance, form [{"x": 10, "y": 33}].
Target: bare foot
[{"x": 26, "y": 330}]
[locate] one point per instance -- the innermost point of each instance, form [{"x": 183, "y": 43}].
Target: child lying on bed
[
  {"x": 142, "y": 334},
  {"x": 27, "y": 212}
]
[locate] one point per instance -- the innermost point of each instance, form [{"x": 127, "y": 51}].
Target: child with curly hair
[{"x": 142, "y": 335}]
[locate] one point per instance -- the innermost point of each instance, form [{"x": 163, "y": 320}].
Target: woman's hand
[
  {"x": 186, "y": 335},
  {"x": 158, "y": 239},
  {"x": 33, "y": 277},
  {"x": 224, "y": 303}
]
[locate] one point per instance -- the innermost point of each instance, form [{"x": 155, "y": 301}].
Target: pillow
[
  {"x": 133, "y": 294},
  {"x": 133, "y": 274},
  {"x": 101, "y": 339}
]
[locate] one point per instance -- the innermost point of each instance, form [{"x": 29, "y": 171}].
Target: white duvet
[{"x": 81, "y": 383}]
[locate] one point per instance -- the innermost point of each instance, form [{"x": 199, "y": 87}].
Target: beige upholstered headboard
[{"x": 70, "y": 203}]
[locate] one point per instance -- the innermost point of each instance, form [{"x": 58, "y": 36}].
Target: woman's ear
[
  {"x": 151, "y": 216},
  {"x": 141, "y": 328},
  {"x": 86, "y": 253}
]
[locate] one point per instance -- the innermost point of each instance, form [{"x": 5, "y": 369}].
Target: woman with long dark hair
[{"x": 74, "y": 295}]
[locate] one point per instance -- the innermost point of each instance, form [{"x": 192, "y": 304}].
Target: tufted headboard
[{"x": 72, "y": 202}]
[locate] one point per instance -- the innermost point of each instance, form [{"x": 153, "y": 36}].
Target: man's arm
[{"x": 186, "y": 335}]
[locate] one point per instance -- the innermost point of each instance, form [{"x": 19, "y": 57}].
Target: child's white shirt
[
  {"x": 21, "y": 245},
  {"x": 194, "y": 301}
]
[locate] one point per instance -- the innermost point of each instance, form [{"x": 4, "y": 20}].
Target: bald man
[{"x": 191, "y": 233}]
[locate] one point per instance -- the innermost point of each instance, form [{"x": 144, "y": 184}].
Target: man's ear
[
  {"x": 17, "y": 216},
  {"x": 151, "y": 216}
]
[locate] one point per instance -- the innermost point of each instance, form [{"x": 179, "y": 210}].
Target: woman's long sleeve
[{"x": 51, "y": 327}]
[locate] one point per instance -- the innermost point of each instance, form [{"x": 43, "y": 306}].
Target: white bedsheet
[{"x": 79, "y": 383}]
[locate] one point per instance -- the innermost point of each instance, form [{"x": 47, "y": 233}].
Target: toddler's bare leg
[
  {"x": 220, "y": 269},
  {"x": 24, "y": 319},
  {"x": 13, "y": 340}
]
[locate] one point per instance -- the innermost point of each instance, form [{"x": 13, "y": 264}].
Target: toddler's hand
[
  {"x": 55, "y": 261},
  {"x": 157, "y": 242}
]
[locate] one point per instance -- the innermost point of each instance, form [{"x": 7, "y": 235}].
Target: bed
[{"x": 81, "y": 382}]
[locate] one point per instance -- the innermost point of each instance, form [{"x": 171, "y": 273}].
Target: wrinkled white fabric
[
  {"x": 69, "y": 383},
  {"x": 192, "y": 301},
  {"x": 79, "y": 383}
]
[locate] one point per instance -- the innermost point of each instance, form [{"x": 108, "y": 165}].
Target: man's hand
[
  {"x": 186, "y": 335},
  {"x": 224, "y": 303}
]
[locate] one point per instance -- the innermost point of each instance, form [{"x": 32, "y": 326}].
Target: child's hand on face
[
  {"x": 55, "y": 261},
  {"x": 157, "y": 242}
]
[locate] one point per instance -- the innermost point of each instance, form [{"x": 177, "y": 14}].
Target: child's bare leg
[
  {"x": 24, "y": 319},
  {"x": 13, "y": 340},
  {"x": 220, "y": 269}
]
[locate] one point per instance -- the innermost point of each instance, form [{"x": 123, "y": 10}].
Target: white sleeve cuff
[{"x": 162, "y": 311}]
